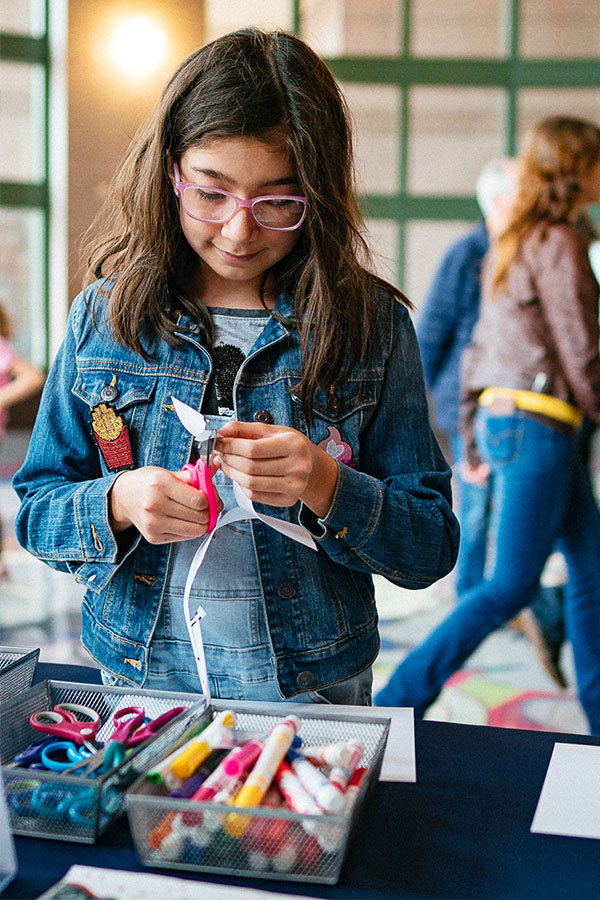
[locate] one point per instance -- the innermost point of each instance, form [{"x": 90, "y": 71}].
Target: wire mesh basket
[
  {"x": 264, "y": 842},
  {"x": 76, "y": 807},
  {"x": 17, "y": 666}
]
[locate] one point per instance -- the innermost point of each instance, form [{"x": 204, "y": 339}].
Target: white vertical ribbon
[{"x": 244, "y": 510}]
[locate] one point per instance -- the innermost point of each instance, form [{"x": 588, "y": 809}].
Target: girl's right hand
[{"x": 161, "y": 504}]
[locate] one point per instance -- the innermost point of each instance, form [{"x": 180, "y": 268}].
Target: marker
[
  {"x": 216, "y": 781},
  {"x": 214, "y": 736},
  {"x": 236, "y": 763},
  {"x": 341, "y": 754},
  {"x": 252, "y": 840},
  {"x": 353, "y": 789},
  {"x": 191, "y": 784},
  {"x": 157, "y": 772},
  {"x": 261, "y": 776},
  {"x": 213, "y": 819},
  {"x": 340, "y": 775},
  {"x": 325, "y": 794},
  {"x": 295, "y": 794}
]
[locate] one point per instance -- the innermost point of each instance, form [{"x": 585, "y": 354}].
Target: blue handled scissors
[{"x": 31, "y": 756}]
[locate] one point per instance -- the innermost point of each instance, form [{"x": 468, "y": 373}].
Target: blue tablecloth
[{"x": 462, "y": 831}]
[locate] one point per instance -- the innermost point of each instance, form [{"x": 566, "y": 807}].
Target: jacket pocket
[
  {"x": 103, "y": 383},
  {"x": 337, "y": 403},
  {"x": 130, "y": 394}
]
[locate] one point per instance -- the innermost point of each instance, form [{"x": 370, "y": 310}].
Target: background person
[
  {"x": 18, "y": 381},
  {"x": 529, "y": 373}
]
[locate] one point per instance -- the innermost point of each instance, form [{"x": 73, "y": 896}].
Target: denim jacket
[{"x": 391, "y": 512}]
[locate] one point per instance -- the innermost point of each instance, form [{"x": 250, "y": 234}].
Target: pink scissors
[
  {"x": 129, "y": 732},
  {"x": 201, "y": 477},
  {"x": 63, "y": 722}
]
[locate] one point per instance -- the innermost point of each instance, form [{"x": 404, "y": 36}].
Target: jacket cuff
[
  {"x": 100, "y": 549},
  {"x": 354, "y": 490}
]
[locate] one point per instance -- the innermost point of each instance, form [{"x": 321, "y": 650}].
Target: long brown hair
[
  {"x": 558, "y": 156},
  {"x": 254, "y": 83}
]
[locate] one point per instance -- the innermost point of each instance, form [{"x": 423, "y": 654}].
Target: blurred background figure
[
  {"x": 444, "y": 329},
  {"x": 529, "y": 374},
  {"x": 18, "y": 381}
]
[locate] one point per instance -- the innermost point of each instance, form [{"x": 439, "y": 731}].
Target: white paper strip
[{"x": 244, "y": 510}]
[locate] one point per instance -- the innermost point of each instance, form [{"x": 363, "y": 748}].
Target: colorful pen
[
  {"x": 261, "y": 776},
  {"x": 340, "y": 754},
  {"x": 214, "y": 736},
  {"x": 325, "y": 794}
]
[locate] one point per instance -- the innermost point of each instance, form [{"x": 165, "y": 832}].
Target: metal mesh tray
[
  {"x": 276, "y": 843},
  {"x": 75, "y": 807},
  {"x": 17, "y": 666}
]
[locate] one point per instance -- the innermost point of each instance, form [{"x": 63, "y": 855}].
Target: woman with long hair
[{"x": 531, "y": 372}]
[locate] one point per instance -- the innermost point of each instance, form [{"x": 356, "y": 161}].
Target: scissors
[
  {"x": 51, "y": 754},
  {"x": 128, "y": 733},
  {"x": 201, "y": 477},
  {"x": 113, "y": 752},
  {"x": 63, "y": 722}
]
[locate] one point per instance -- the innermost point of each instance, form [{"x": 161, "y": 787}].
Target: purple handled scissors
[{"x": 62, "y": 721}]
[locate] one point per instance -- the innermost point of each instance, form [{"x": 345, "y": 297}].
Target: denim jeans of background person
[{"x": 542, "y": 498}]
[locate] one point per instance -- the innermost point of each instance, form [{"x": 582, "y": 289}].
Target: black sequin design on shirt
[{"x": 227, "y": 359}]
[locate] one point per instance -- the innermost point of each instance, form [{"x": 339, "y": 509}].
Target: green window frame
[
  {"x": 34, "y": 50},
  {"x": 510, "y": 72}
]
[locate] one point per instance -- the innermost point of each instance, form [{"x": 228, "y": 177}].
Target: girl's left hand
[{"x": 276, "y": 465}]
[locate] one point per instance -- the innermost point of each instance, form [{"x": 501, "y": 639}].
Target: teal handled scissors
[
  {"x": 128, "y": 733},
  {"x": 126, "y": 721},
  {"x": 201, "y": 477}
]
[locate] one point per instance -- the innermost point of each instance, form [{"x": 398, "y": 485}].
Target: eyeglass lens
[{"x": 275, "y": 212}]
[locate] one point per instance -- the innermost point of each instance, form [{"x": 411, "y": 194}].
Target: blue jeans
[
  {"x": 473, "y": 514},
  {"x": 542, "y": 500}
]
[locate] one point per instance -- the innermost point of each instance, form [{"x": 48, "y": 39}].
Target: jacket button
[
  {"x": 305, "y": 679},
  {"x": 287, "y": 590},
  {"x": 264, "y": 416},
  {"x": 109, "y": 392},
  {"x": 335, "y": 404}
]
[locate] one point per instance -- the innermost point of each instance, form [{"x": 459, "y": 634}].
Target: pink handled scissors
[
  {"x": 201, "y": 477},
  {"x": 63, "y": 722},
  {"x": 126, "y": 721}
]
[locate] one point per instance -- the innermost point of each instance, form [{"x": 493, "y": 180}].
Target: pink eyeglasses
[{"x": 206, "y": 204}]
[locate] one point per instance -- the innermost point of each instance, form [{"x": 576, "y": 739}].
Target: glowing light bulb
[{"x": 138, "y": 46}]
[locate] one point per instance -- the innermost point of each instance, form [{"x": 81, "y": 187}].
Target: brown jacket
[{"x": 540, "y": 332}]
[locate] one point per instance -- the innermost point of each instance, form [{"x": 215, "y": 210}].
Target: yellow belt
[{"x": 534, "y": 402}]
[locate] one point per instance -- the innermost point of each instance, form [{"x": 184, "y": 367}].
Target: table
[{"x": 462, "y": 831}]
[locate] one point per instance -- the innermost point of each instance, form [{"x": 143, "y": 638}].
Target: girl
[
  {"x": 18, "y": 381},
  {"x": 530, "y": 372},
  {"x": 229, "y": 278}
]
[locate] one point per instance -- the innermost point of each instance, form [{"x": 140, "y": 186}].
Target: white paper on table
[
  {"x": 399, "y": 762},
  {"x": 146, "y": 886},
  {"x": 569, "y": 802}
]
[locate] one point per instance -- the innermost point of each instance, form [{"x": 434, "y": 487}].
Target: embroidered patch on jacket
[
  {"x": 111, "y": 435},
  {"x": 336, "y": 447}
]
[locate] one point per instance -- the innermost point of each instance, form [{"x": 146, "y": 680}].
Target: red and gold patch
[{"x": 111, "y": 435}]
